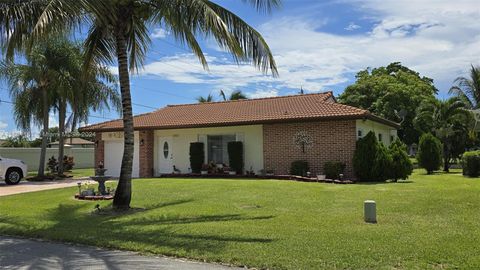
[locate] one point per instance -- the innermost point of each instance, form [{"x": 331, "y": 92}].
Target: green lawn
[
  {"x": 432, "y": 222},
  {"x": 75, "y": 172}
]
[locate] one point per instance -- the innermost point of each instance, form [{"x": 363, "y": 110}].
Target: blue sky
[{"x": 318, "y": 45}]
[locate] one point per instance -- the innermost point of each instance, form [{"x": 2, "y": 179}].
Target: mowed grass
[
  {"x": 75, "y": 173},
  {"x": 432, "y": 222}
]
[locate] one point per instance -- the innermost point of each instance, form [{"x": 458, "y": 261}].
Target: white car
[{"x": 12, "y": 170}]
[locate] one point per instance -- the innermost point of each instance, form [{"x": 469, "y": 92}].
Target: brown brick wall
[
  {"x": 99, "y": 149},
  {"x": 331, "y": 141},
  {"x": 146, "y": 153}
]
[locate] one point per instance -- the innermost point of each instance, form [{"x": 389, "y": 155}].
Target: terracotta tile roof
[{"x": 308, "y": 107}]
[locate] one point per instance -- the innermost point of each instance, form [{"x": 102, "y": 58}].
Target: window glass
[
  {"x": 359, "y": 133},
  {"x": 217, "y": 148},
  {"x": 165, "y": 149},
  {"x": 379, "y": 137}
]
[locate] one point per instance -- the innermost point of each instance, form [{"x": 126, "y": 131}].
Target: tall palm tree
[
  {"x": 206, "y": 99},
  {"x": 28, "y": 83},
  {"x": 450, "y": 121},
  {"x": 119, "y": 33},
  {"x": 81, "y": 89},
  {"x": 235, "y": 95},
  {"x": 468, "y": 89}
]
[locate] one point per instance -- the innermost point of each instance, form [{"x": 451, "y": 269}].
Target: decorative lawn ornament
[{"x": 303, "y": 140}]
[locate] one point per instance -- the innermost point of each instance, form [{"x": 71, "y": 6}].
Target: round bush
[
  {"x": 333, "y": 170},
  {"x": 299, "y": 167},
  {"x": 471, "y": 163},
  {"x": 429, "y": 153}
]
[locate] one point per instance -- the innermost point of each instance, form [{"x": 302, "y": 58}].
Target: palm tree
[
  {"x": 119, "y": 33},
  {"x": 28, "y": 83},
  {"x": 206, "y": 99},
  {"x": 81, "y": 88},
  {"x": 235, "y": 95},
  {"x": 450, "y": 121},
  {"x": 468, "y": 89}
]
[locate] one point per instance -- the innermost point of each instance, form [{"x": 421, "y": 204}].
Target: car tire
[{"x": 13, "y": 176}]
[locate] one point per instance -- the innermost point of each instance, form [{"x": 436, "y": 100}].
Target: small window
[
  {"x": 379, "y": 137},
  {"x": 392, "y": 138},
  {"x": 165, "y": 150},
  {"x": 359, "y": 133}
]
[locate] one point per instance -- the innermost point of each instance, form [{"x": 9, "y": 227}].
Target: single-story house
[
  {"x": 73, "y": 142},
  {"x": 275, "y": 132}
]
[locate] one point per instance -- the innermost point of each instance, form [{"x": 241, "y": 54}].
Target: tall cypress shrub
[
  {"x": 402, "y": 166},
  {"x": 382, "y": 168},
  {"x": 364, "y": 157},
  {"x": 197, "y": 156},
  {"x": 235, "y": 156},
  {"x": 429, "y": 154}
]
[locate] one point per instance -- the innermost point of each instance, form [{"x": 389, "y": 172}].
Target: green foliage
[
  {"x": 450, "y": 121},
  {"x": 235, "y": 156},
  {"x": 401, "y": 167},
  {"x": 382, "y": 168},
  {"x": 429, "y": 154},
  {"x": 333, "y": 169},
  {"x": 299, "y": 167},
  {"x": 364, "y": 157},
  {"x": 388, "y": 91},
  {"x": 197, "y": 156},
  {"x": 468, "y": 88},
  {"x": 16, "y": 141},
  {"x": 52, "y": 164},
  {"x": 471, "y": 163}
]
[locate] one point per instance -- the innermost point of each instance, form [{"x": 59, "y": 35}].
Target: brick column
[
  {"x": 146, "y": 153},
  {"x": 99, "y": 149}
]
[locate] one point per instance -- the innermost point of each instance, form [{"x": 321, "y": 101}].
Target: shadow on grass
[{"x": 155, "y": 234}]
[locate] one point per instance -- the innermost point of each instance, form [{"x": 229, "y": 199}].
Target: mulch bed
[
  {"x": 94, "y": 198},
  {"x": 276, "y": 177}
]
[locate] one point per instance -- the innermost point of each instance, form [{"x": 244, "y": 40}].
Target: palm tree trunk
[
  {"x": 446, "y": 158},
  {"x": 43, "y": 150},
  {"x": 123, "y": 194},
  {"x": 61, "y": 130}
]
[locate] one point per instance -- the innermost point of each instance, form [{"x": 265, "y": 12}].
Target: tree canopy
[{"x": 393, "y": 92}]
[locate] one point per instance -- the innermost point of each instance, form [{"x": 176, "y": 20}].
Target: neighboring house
[
  {"x": 74, "y": 142},
  {"x": 275, "y": 131}
]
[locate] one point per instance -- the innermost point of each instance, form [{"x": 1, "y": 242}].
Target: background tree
[
  {"x": 468, "y": 89},
  {"x": 390, "y": 92},
  {"x": 449, "y": 121},
  {"x": 429, "y": 154},
  {"x": 16, "y": 141},
  {"x": 119, "y": 32}
]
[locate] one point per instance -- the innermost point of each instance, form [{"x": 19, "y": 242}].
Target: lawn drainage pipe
[{"x": 370, "y": 209}]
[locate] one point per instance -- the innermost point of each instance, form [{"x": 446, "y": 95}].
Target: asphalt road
[{"x": 18, "y": 253}]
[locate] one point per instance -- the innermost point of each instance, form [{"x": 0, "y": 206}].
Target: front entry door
[{"x": 165, "y": 154}]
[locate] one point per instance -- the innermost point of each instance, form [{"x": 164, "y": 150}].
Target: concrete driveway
[
  {"x": 25, "y": 186},
  {"x": 18, "y": 253}
]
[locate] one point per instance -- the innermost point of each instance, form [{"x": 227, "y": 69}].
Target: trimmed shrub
[
  {"x": 364, "y": 157},
  {"x": 471, "y": 163},
  {"x": 299, "y": 167},
  {"x": 235, "y": 156},
  {"x": 383, "y": 163},
  {"x": 429, "y": 153},
  {"x": 333, "y": 169},
  {"x": 401, "y": 167},
  {"x": 197, "y": 156}
]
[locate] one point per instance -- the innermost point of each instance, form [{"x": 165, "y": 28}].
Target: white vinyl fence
[{"x": 83, "y": 157}]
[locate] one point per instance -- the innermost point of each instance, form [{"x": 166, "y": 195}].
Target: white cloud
[
  {"x": 263, "y": 93},
  {"x": 352, "y": 26},
  {"x": 159, "y": 33},
  {"x": 3, "y": 125},
  {"x": 440, "y": 39}
]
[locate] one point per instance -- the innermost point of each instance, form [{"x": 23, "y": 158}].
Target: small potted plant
[{"x": 204, "y": 169}]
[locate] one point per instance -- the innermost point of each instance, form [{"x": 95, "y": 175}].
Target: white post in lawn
[{"x": 370, "y": 209}]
